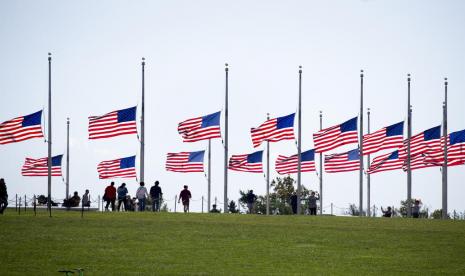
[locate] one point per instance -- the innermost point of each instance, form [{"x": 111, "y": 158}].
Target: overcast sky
[{"x": 97, "y": 48}]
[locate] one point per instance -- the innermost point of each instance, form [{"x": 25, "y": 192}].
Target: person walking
[
  {"x": 312, "y": 203},
  {"x": 86, "y": 199},
  {"x": 185, "y": 196},
  {"x": 251, "y": 198},
  {"x": 294, "y": 203},
  {"x": 156, "y": 194},
  {"x": 110, "y": 196},
  {"x": 3, "y": 196},
  {"x": 122, "y": 191},
  {"x": 141, "y": 195}
]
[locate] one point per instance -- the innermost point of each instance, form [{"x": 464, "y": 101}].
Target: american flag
[
  {"x": 421, "y": 161},
  {"x": 289, "y": 164},
  {"x": 21, "y": 128},
  {"x": 113, "y": 124},
  {"x": 426, "y": 141},
  {"x": 39, "y": 167},
  {"x": 390, "y": 137},
  {"x": 247, "y": 162},
  {"x": 343, "y": 162},
  {"x": 455, "y": 151},
  {"x": 274, "y": 130},
  {"x": 121, "y": 168},
  {"x": 387, "y": 162},
  {"x": 201, "y": 128},
  {"x": 335, "y": 136},
  {"x": 185, "y": 161}
]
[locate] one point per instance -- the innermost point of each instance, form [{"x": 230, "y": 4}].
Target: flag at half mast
[
  {"x": 115, "y": 123},
  {"x": 274, "y": 130},
  {"x": 21, "y": 128},
  {"x": 387, "y": 162},
  {"x": 118, "y": 168},
  {"x": 336, "y": 136},
  {"x": 343, "y": 162},
  {"x": 289, "y": 164},
  {"x": 247, "y": 162},
  {"x": 390, "y": 137},
  {"x": 39, "y": 167},
  {"x": 200, "y": 128},
  {"x": 185, "y": 162}
]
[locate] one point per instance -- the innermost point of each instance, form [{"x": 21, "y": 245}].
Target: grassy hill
[{"x": 175, "y": 243}]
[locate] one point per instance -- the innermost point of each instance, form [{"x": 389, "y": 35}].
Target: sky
[{"x": 97, "y": 48}]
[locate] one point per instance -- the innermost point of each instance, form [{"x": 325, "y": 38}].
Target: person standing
[
  {"x": 110, "y": 196},
  {"x": 251, "y": 198},
  {"x": 416, "y": 209},
  {"x": 3, "y": 196},
  {"x": 185, "y": 196},
  {"x": 312, "y": 203},
  {"x": 86, "y": 199},
  {"x": 387, "y": 213},
  {"x": 155, "y": 194},
  {"x": 294, "y": 203},
  {"x": 122, "y": 191},
  {"x": 141, "y": 195}
]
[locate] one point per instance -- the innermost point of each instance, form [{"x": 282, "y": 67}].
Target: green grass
[{"x": 167, "y": 243}]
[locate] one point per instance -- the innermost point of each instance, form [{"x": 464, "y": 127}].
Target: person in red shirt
[
  {"x": 110, "y": 196},
  {"x": 185, "y": 196}
]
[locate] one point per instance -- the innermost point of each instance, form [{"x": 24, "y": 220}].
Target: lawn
[{"x": 175, "y": 243}]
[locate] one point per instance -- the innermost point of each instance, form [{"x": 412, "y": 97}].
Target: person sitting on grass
[
  {"x": 214, "y": 210},
  {"x": 387, "y": 213},
  {"x": 3, "y": 196},
  {"x": 185, "y": 196}
]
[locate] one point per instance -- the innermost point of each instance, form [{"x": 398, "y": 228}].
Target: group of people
[
  {"x": 126, "y": 203},
  {"x": 251, "y": 198},
  {"x": 415, "y": 210}
]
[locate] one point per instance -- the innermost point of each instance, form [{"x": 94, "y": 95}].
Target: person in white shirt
[{"x": 141, "y": 195}]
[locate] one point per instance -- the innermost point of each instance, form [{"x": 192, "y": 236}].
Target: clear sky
[{"x": 97, "y": 48}]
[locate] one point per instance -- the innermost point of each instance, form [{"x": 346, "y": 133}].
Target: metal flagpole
[
  {"x": 209, "y": 174},
  {"x": 67, "y": 160},
  {"x": 49, "y": 140},
  {"x": 299, "y": 144},
  {"x": 321, "y": 168},
  {"x": 444, "y": 166},
  {"x": 409, "y": 136},
  {"x": 142, "y": 126},
  {"x": 268, "y": 172},
  {"x": 226, "y": 69},
  {"x": 360, "y": 206},
  {"x": 368, "y": 175}
]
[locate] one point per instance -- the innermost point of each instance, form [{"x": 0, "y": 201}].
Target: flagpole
[
  {"x": 49, "y": 140},
  {"x": 409, "y": 136},
  {"x": 299, "y": 144},
  {"x": 268, "y": 172},
  {"x": 226, "y": 69},
  {"x": 361, "y": 146},
  {"x": 142, "y": 128},
  {"x": 209, "y": 173},
  {"x": 67, "y": 159},
  {"x": 368, "y": 175},
  {"x": 321, "y": 168},
  {"x": 444, "y": 166}
]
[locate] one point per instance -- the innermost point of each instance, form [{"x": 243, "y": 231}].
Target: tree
[
  {"x": 282, "y": 189},
  {"x": 437, "y": 214},
  {"x": 354, "y": 211},
  {"x": 232, "y": 207},
  {"x": 403, "y": 209}
]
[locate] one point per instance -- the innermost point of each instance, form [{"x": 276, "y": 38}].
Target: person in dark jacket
[
  {"x": 156, "y": 195},
  {"x": 294, "y": 203},
  {"x": 387, "y": 213},
  {"x": 251, "y": 198},
  {"x": 122, "y": 191},
  {"x": 3, "y": 196},
  {"x": 185, "y": 196},
  {"x": 110, "y": 196}
]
